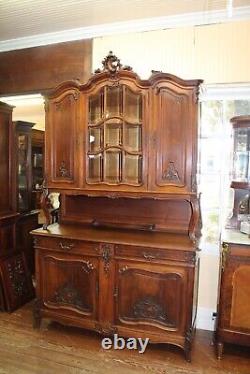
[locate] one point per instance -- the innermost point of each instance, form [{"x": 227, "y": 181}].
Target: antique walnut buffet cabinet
[{"x": 123, "y": 258}]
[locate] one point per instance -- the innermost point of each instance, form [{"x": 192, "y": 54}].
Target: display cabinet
[
  {"x": 121, "y": 152},
  {"x": 28, "y": 218},
  {"x": 240, "y": 171},
  {"x": 14, "y": 279}
]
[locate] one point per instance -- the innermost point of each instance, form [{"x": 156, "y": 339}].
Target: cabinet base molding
[{"x": 109, "y": 330}]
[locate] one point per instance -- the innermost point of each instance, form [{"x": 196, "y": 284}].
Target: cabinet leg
[
  {"x": 220, "y": 347},
  {"x": 187, "y": 353},
  {"x": 36, "y": 314},
  {"x": 188, "y": 344}
]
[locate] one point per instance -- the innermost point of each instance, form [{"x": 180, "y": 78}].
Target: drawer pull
[
  {"x": 66, "y": 247},
  {"x": 148, "y": 256}
]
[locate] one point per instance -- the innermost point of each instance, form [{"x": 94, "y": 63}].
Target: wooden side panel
[
  {"x": 7, "y": 237},
  {"x": 4, "y": 166},
  {"x": 41, "y": 68},
  {"x": 7, "y": 161},
  {"x": 62, "y": 139},
  {"x": 25, "y": 224}
]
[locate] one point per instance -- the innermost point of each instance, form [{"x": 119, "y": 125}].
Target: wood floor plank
[{"x": 56, "y": 349}]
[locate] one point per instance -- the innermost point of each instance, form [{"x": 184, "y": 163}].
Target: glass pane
[
  {"x": 133, "y": 106},
  {"x": 95, "y": 168},
  {"x": 37, "y": 167},
  {"x": 112, "y": 166},
  {"x": 132, "y": 170},
  {"x": 211, "y": 118},
  {"x": 211, "y": 226},
  {"x": 113, "y": 133},
  {"x": 96, "y": 107},
  {"x": 241, "y": 140},
  {"x": 241, "y": 166},
  {"x": 113, "y": 101},
  {"x": 132, "y": 137},
  {"x": 210, "y": 155},
  {"x": 95, "y": 139},
  {"x": 22, "y": 169}
]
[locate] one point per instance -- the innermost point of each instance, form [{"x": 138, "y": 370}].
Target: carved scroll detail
[
  {"x": 17, "y": 277},
  {"x": 150, "y": 309},
  {"x": 105, "y": 330},
  {"x": 171, "y": 173},
  {"x": 63, "y": 171},
  {"x": 88, "y": 267},
  {"x": 112, "y": 65},
  {"x": 106, "y": 257},
  {"x": 73, "y": 96},
  {"x": 123, "y": 269},
  {"x": 67, "y": 294}
]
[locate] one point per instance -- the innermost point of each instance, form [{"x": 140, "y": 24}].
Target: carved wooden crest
[{"x": 112, "y": 64}]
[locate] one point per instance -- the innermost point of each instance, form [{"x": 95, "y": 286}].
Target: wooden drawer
[
  {"x": 68, "y": 245},
  {"x": 154, "y": 254}
]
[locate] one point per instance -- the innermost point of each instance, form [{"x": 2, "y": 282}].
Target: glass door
[
  {"x": 22, "y": 172},
  {"x": 115, "y": 137},
  {"x": 241, "y": 155}
]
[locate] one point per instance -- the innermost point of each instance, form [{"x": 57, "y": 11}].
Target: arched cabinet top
[{"x": 113, "y": 72}]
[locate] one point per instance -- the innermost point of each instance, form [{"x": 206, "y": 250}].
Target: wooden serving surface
[{"x": 119, "y": 236}]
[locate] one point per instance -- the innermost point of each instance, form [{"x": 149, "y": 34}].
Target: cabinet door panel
[
  {"x": 62, "y": 137},
  {"x": 235, "y": 295},
  {"x": 69, "y": 283},
  {"x": 173, "y": 141},
  {"x": 156, "y": 302},
  {"x": 240, "y": 313}
]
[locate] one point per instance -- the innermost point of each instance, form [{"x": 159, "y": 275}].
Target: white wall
[{"x": 217, "y": 53}]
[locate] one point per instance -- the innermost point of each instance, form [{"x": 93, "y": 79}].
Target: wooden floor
[{"x": 65, "y": 350}]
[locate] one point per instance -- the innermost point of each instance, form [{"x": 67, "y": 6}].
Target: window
[{"x": 218, "y": 105}]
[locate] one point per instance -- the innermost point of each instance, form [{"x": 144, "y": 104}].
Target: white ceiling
[{"x": 20, "y": 19}]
